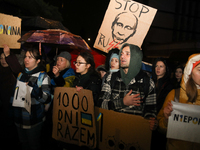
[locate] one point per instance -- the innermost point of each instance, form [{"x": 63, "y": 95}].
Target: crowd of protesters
[{"x": 120, "y": 85}]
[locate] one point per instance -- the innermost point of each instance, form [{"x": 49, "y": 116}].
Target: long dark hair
[
  {"x": 168, "y": 70},
  {"x": 175, "y": 82},
  {"x": 89, "y": 60}
]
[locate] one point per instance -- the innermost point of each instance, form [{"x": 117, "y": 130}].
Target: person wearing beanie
[
  {"x": 130, "y": 90},
  {"x": 101, "y": 70},
  {"x": 114, "y": 63},
  {"x": 62, "y": 75},
  {"x": 189, "y": 94},
  {"x": 112, "y": 57},
  {"x": 111, "y": 63}
]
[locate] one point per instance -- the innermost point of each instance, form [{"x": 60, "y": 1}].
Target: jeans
[{"x": 30, "y": 138}]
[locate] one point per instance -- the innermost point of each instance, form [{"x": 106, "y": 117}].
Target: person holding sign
[
  {"x": 31, "y": 93},
  {"x": 130, "y": 90},
  {"x": 189, "y": 94},
  {"x": 87, "y": 77}
]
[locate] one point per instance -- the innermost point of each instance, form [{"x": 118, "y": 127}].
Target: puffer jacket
[{"x": 173, "y": 144}]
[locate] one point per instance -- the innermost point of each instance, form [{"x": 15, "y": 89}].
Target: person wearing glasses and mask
[{"x": 86, "y": 75}]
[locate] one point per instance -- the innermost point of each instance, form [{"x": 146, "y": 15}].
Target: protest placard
[
  {"x": 117, "y": 131},
  {"x": 22, "y": 96},
  {"x": 76, "y": 121},
  {"x": 125, "y": 21},
  {"x": 184, "y": 122},
  {"x": 73, "y": 117},
  {"x": 10, "y": 31}
]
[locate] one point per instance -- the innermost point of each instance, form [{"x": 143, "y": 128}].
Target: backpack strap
[
  {"x": 19, "y": 75},
  {"x": 40, "y": 78},
  {"x": 176, "y": 96}
]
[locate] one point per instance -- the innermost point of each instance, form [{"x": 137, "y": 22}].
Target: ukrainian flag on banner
[{"x": 86, "y": 119}]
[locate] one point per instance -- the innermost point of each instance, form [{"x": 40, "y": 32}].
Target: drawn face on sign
[{"x": 123, "y": 27}]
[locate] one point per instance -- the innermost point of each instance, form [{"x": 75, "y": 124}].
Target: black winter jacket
[{"x": 90, "y": 81}]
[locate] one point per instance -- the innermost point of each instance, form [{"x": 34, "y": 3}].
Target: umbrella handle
[
  {"x": 56, "y": 51},
  {"x": 40, "y": 49}
]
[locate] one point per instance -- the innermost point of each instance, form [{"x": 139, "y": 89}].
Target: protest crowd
[
  {"x": 33, "y": 131},
  {"x": 121, "y": 85}
]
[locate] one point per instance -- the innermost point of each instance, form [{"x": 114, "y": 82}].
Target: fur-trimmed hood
[{"x": 187, "y": 72}]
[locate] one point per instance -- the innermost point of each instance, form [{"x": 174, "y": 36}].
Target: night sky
[{"x": 83, "y": 18}]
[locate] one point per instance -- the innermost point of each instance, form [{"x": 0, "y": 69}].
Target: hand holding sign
[
  {"x": 6, "y": 50},
  {"x": 184, "y": 122}
]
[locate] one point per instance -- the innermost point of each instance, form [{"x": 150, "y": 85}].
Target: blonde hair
[
  {"x": 68, "y": 65},
  {"x": 191, "y": 90}
]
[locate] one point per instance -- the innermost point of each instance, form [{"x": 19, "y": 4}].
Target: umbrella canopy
[
  {"x": 55, "y": 36},
  {"x": 40, "y": 23}
]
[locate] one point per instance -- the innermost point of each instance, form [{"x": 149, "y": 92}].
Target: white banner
[
  {"x": 184, "y": 122},
  {"x": 22, "y": 96}
]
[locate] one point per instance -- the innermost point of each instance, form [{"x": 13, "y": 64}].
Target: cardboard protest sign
[
  {"x": 125, "y": 21},
  {"x": 184, "y": 122},
  {"x": 116, "y": 131},
  {"x": 10, "y": 31},
  {"x": 22, "y": 96},
  {"x": 73, "y": 117}
]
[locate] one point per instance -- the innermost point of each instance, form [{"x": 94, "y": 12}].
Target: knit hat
[
  {"x": 65, "y": 55},
  {"x": 114, "y": 55},
  {"x": 101, "y": 68}
]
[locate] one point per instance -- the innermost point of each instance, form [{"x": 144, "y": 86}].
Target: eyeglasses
[{"x": 78, "y": 63}]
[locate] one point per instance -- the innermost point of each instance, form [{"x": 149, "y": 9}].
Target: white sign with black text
[{"x": 184, "y": 122}]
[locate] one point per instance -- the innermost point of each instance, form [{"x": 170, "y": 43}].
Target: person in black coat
[
  {"x": 177, "y": 76},
  {"x": 161, "y": 77},
  {"x": 9, "y": 70},
  {"x": 86, "y": 76}
]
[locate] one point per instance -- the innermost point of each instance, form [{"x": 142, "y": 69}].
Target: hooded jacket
[
  {"x": 135, "y": 61},
  {"x": 173, "y": 144},
  {"x": 112, "y": 94}
]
